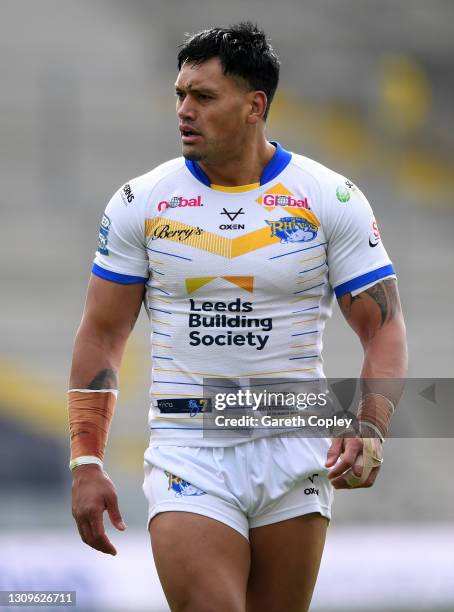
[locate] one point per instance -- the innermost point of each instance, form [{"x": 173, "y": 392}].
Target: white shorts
[{"x": 249, "y": 485}]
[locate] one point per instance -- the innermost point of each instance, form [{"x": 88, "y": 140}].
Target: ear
[{"x": 258, "y": 102}]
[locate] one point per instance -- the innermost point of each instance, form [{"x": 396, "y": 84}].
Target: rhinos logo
[
  {"x": 291, "y": 229},
  {"x": 182, "y": 487}
]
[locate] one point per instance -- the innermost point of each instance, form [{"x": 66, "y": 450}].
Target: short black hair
[{"x": 243, "y": 50}]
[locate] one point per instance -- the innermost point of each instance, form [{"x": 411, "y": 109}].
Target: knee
[{"x": 215, "y": 603}]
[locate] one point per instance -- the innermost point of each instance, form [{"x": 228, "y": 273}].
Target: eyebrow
[{"x": 196, "y": 89}]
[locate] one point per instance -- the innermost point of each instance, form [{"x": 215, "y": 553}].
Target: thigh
[
  {"x": 203, "y": 564},
  {"x": 285, "y": 559}
]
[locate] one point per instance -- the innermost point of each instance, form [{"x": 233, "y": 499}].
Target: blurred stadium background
[{"x": 86, "y": 103}]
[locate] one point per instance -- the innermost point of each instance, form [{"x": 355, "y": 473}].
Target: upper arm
[
  {"x": 374, "y": 309},
  {"x": 121, "y": 266},
  {"x": 356, "y": 256},
  {"x": 111, "y": 308},
  {"x": 121, "y": 256},
  {"x": 120, "y": 269}
]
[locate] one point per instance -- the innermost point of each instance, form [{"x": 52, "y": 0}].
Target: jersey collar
[{"x": 275, "y": 166}]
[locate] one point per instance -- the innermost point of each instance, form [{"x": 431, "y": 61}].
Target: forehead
[{"x": 207, "y": 75}]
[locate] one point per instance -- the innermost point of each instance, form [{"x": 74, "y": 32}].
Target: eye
[{"x": 179, "y": 95}]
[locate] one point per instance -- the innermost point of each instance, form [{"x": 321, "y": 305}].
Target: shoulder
[
  {"x": 140, "y": 187},
  {"x": 333, "y": 187},
  {"x": 324, "y": 177},
  {"x": 129, "y": 205}
]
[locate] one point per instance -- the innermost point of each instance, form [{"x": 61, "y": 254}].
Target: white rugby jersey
[{"x": 239, "y": 280}]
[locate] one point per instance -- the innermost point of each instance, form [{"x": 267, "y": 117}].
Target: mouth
[{"x": 189, "y": 135}]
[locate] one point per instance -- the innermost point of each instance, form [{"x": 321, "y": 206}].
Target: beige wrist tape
[
  {"x": 372, "y": 456},
  {"x": 376, "y": 410},
  {"x": 90, "y": 415}
]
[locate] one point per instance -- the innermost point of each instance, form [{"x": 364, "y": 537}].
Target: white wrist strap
[
  {"x": 374, "y": 428},
  {"x": 86, "y": 459}
]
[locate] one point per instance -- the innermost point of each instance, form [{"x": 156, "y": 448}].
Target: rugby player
[{"x": 236, "y": 249}]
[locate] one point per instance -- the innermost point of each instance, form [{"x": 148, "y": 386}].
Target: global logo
[
  {"x": 180, "y": 202},
  {"x": 272, "y": 199},
  {"x": 293, "y": 229},
  {"x": 182, "y": 487}
]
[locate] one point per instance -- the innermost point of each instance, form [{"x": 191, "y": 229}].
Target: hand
[
  {"x": 347, "y": 457},
  {"x": 92, "y": 493}
]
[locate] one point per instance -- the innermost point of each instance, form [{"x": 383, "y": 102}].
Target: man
[{"x": 236, "y": 250}]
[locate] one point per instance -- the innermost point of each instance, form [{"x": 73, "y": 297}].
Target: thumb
[
  {"x": 333, "y": 452},
  {"x": 114, "y": 512}
]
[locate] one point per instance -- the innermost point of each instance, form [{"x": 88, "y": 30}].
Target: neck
[{"x": 244, "y": 169}]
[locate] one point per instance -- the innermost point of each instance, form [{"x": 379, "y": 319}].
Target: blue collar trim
[
  {"x": 197, "y": 171},
  {"x": 275, "y": 166}
]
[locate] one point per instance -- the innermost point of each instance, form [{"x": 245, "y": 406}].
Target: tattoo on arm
[
  {"x": 104, "y": 379},
  {"x": 345, "y": 304},
  {"x": 385, "y": 296}
]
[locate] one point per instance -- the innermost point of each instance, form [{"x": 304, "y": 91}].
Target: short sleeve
[
  {"x": 121, "y": 255},
  {"x": 356, "y": 256}
]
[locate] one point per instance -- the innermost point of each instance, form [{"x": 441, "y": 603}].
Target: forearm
[
  {"x": 96, "y": 359},
  {"x": 385, "y": 354},
  {"x": 376, "y": 316},
  {"x": 383, "y": 377}
]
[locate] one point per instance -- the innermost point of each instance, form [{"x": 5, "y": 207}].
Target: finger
[
  {"x": 347, "y": 459},
  {"x": 103, "y": 544},
  {"x": 99, "y": 539},
  {"x": 341, "y": 483},
  {"x": 357, "y": 467},
  {"x": 372, "y": 476},
  {"x": 334, "y": 452},
  {"x": 113, "y": 510},
  {"x": 94, "y": 536},
  {"x": 84, "y": 531},
  {"x": 357, "y": 470}
]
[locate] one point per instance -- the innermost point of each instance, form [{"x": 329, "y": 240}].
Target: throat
[{"x": 242, "y": 173}]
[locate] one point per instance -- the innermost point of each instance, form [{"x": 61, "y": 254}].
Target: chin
[{"x": 191, "y": 154}]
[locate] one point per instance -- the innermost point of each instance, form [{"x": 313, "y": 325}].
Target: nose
[{"x": 185, "y": 109}]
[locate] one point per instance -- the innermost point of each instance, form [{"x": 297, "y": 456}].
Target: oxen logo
[
  {"x": 182, "y": 487},
  {"x": 293, "y": 229}
]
